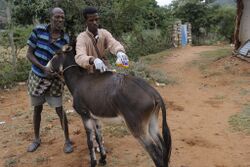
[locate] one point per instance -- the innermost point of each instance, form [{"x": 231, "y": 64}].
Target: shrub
[
  {"x": 20, "y": 36},
  {"x": 142, "y": 70},
  {"x": 8, "y": 77},
  {"x": 144, "y": 42}
]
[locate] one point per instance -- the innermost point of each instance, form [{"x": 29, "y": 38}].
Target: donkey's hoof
[
  {"x": 34, "y": 145},
  {"x": 93, "y": 163},
  {"x": 102, "y": 161}
]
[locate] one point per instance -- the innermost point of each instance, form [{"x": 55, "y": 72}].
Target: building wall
[{"x": 244, "y": 33}]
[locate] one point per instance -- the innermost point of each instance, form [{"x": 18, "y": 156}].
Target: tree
[
  {"x": 206, "y": 17},
  {"x": 209, "y": 1},
  {"x": 224, "y": 19},
  {"x": 37, "y": 9},
  {"x": 9, "y": 4},
  {"x": 194, "y": 12},
  {"x": 121, "y": 17}
]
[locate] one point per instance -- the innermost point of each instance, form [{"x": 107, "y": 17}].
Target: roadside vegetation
[
  {"x": 209, "y": 57},
  {"x": 241, "y": 120},
  {"x": 142, "y": 26}
]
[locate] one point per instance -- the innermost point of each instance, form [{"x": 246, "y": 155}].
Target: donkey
[{"x": 109, "y": 95}]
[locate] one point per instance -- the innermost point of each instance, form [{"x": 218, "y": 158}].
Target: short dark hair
[
  {"x": 52, "y": 11},
  {"x": 89, "y": 10}
]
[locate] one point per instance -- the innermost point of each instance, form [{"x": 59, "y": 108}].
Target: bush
[
  {"x": 144, "y": 42},
  {"x": 209, "y": 39},
  {"x": 8, "y": 77},
  {"x": 142, "y": 70},
  {"x": 21, "y": 34}
]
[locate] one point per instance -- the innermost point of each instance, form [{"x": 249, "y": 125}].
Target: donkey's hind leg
[
  {"x": 90, "y": 130},
  {"x": 154, "y": 132},
  {"x": 150, "y": 139},
  {"x": 99, "y": 140},
  {"x": 152, "y": 148}
]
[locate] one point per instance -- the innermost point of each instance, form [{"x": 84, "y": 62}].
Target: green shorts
[{"x": 53, "y": 101}]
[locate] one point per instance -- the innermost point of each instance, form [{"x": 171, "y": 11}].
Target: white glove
[
  {"x": 122, "y": 59},
  {"x": 99, "y": 65}
]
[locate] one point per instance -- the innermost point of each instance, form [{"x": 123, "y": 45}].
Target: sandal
[
  {"x": 34, "y": 145},
  {"x": 68, "y": 147}
]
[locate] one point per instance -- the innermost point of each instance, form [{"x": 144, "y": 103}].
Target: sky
[{"x": 163, "y": 2}]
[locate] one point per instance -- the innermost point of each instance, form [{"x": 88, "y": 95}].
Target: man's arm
[
  {"x": 117, "y": 49},
  {"x": 113, "y": 45},
  {"x": 32, "y": 58},
  {"x": 82, "y": 58},
  {"x": 34, "y": 61}
]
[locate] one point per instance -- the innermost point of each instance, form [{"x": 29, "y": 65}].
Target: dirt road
[{"x": 200, "y": 105}]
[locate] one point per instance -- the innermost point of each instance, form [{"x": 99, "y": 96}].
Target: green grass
[
  {"x": 11, "y": 162},
  {"x": 41, "y": 160},
  {"x": 155, "y": 58},
  {"x": 241, "y": 121},
  {"x": 116, "y": 130},
  {"x": 209, "y": 57},
  {"x": 141, "y": 68},
  {"x": 216, "y": 54},
  {"x": 219, "y": 97},
  {"x": 244, "y": 92}
]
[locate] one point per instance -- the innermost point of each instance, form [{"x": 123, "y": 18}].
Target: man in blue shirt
[{"x": 44, "y": 85}]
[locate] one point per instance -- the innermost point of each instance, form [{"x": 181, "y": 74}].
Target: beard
[
  {"x": 58, "y": 26},
  {"x": 93, "y": 29}
]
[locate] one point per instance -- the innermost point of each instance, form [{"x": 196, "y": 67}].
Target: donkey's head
[{"x": 62, "y": 59}]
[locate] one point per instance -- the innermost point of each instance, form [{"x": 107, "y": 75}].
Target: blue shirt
[{"x": 44, "y": 48}]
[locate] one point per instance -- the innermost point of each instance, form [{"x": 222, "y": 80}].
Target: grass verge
[
  {"x": 142, "y": 69},
  {"x": 208, "y": 57},
  {"x": 241, "y": 121}
]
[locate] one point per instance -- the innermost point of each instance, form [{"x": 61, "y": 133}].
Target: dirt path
[{"x": 199, "y": 108}]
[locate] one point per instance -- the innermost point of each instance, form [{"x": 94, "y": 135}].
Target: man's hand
[
  {"x": 122, "y": 59},
  {"x": 49, "y": 74},
  {"x": 99, "y": 65}
]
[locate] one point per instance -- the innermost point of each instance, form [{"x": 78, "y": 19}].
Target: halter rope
[{"x": 73, "y": 65}]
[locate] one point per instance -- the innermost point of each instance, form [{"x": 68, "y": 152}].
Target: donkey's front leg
[{"x": 90, "y": 131}]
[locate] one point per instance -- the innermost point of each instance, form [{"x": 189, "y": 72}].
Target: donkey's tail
[{"x": 166, "y": 136}]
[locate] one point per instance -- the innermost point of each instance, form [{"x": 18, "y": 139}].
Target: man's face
[
  {"x": 57, "y": 20},
  {"x": 93, "y": 22}
]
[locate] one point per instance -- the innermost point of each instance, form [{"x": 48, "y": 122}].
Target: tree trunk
[
  {"x": 240, "y": 8},
  {"x": 10, "y": 34}
]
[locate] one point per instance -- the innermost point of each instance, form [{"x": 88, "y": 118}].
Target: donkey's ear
[{"x": 66, "y": 48}]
